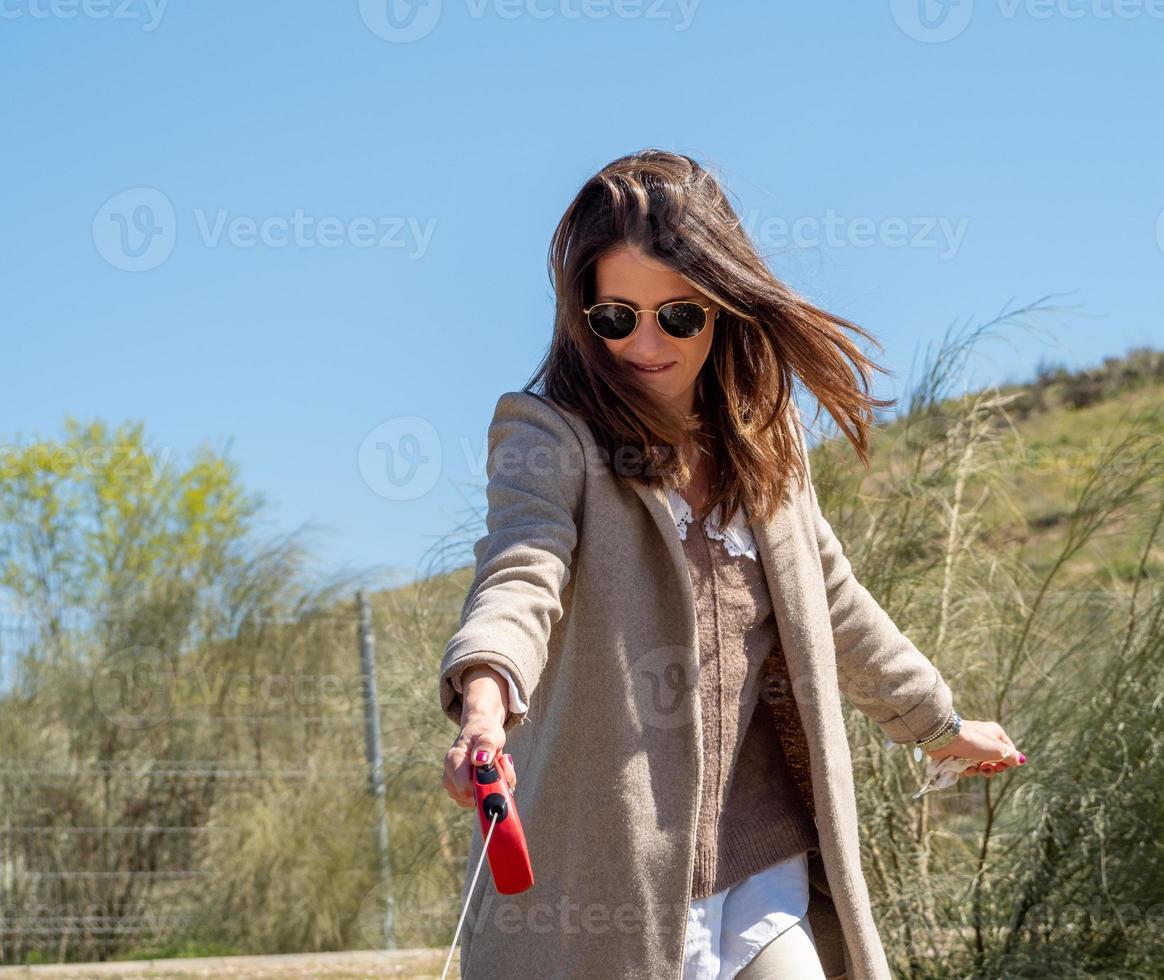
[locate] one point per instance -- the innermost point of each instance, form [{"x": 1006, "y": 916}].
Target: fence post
[{"x": 375, "y": 759}]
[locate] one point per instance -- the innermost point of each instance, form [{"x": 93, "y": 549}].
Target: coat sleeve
[
  {"x": 536, "y": 472},
  {"x": 879, "y": 669}
]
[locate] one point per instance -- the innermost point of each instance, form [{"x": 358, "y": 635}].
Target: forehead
[{"x": 630, "y": 274}]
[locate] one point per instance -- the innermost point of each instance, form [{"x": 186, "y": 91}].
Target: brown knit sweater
[{"x": 756, "y": 804}]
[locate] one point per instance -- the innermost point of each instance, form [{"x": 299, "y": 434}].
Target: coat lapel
[
  {"x": 654, "y": 498},
  {"x": 784, "y": 544}
]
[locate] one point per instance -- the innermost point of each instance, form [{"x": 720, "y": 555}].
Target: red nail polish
[
  {"x": 481, "y": 756},
  {"x": 1022, "y": 758}
]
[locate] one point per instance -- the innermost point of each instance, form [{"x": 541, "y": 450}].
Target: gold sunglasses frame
[{"x": 638, "y": 319}]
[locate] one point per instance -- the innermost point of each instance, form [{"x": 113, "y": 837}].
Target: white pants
[{"x": 790, "y": 956}]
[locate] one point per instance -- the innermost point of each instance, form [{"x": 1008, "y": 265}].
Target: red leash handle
[{"x": 508, "y": 854}]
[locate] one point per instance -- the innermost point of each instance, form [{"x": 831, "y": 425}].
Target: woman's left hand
[{"x": 984, "y": 741}]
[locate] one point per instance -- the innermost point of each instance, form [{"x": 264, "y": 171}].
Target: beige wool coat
[{"x": 582, "y": 592}]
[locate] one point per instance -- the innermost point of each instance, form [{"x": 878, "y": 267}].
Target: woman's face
[{"x": 626, "y": 275}]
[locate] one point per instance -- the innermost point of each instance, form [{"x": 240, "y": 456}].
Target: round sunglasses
[{"x": 617, "y": 321}]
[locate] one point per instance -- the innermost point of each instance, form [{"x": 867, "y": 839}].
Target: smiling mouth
[{"x": 650, "y": 369}]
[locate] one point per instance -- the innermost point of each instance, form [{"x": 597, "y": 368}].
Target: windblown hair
[{"x": 669, "y": 207}]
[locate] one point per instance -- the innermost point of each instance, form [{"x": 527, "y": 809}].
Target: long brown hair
[{"x": 669, "y": 207}]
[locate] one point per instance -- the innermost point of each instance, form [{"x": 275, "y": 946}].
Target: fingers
[
  {"x": 475, "y": 747},
  {"x": 460, "y": 790},
  {"x": 983, "y": 738},
  {"x": 456, "y": 782},
  {"x": 1009, "y": 757},
  {"x": 505, "y": 764}
]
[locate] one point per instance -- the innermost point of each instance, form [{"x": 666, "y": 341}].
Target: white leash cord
[{"x": 469, "y": 896}]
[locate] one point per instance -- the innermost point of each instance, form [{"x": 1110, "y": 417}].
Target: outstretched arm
[
  {"x": 878, "y": 668},
  {"x": 536, "y": 474},
  {"x": 885, "y": 675}
]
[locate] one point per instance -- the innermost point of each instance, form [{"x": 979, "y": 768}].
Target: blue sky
[{"x": 315, "y": 234}]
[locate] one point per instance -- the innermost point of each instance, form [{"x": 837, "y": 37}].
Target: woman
[{"x": 683, "y": 822}]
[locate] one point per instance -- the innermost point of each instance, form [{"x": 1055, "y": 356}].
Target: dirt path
[{"x": 405, "y": 964}]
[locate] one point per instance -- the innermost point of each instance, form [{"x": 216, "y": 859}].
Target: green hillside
[{"x": 1014, "y": 534}]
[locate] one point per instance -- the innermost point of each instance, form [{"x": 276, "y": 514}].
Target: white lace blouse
[
  {"x": 736, "y": 537},
  {"x": 727, "y": 929}
]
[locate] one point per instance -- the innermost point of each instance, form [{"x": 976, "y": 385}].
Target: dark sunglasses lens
[
  {"x": 682, "y": 319},
  {"x": 611, "y": 321}
]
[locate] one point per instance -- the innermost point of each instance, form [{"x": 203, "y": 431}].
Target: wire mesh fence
[{"x": 138, "y": 778}]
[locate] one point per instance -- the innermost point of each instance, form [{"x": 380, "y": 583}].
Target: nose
[{"x": 649, "y": 341}]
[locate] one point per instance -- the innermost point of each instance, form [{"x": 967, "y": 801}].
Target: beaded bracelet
[{"x": 944, "y": 735}]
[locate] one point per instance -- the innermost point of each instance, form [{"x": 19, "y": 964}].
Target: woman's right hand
[{"x": 485, "y": 697}]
